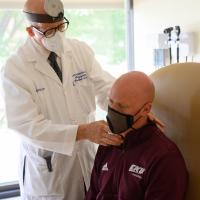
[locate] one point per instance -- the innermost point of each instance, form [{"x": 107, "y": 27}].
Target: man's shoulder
[
  {"x": 160, "y": 141},
  {"x": 159, "y": 150}
]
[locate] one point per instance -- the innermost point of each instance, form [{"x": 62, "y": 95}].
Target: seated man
[{"x": 148, "y": 165}]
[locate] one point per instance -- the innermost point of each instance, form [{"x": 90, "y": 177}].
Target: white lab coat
[{"x": 46, "y": 113}]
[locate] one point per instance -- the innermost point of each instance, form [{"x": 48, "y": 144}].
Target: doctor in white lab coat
[{"x": 53, "y": 116}]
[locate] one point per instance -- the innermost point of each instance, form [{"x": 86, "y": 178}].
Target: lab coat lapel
[
  {"x": 32, "y": 55},
  {"x": 44, "y": 67}
]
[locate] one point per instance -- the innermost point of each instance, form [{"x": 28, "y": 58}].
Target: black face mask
[{"x": 119, "y": 122}]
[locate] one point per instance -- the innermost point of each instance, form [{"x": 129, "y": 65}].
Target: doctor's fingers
[
  {"x": 102, "y": 122},
  {"x": 104, "y": 125},
  {"x": 158, "y": 123},
  {"x": 111, "y": 139},
  {"x": 100, "y": 127}
]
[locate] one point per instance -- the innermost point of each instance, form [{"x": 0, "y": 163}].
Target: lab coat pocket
[
  {"x": 86, "y": 95},
  {"x": 41, "y": 98},
  {"x": 41, "y": 177},
  {"x": 47, "y": 159}
]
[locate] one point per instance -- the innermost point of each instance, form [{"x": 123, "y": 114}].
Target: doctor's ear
[{"x": 30, "y": 31}]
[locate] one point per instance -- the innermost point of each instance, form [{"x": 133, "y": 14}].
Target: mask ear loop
[
  {"x": 137, "y": 118},
  {"x": 123, "y": 138},
  {"x": 134, "y": 129}
]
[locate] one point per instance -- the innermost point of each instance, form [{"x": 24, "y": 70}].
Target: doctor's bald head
[
  {"x": 44, "y": 11},
  {"x": 34, "y": 6}
]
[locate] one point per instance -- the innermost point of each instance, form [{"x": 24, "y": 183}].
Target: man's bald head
[
  {"x": 136, "y": 84},
  {"x": 133, "y": 89},
  {"x": 34, "y": 6}
]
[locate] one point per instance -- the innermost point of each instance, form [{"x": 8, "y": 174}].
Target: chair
[{"x": 177, "y": 104}]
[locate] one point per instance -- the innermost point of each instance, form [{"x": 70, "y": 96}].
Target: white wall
[{"x": 152, "y": 16}]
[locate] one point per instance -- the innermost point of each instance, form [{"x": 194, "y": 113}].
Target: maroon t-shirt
[{"x": 148, "y": 166}]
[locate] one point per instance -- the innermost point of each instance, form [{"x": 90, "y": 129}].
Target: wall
[{"x": 152, "y": 16}]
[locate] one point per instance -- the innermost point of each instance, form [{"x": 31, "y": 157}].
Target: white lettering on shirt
[{"x": 136, "y": 170}]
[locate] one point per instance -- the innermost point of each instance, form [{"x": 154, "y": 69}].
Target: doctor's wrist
[{"x": 82, "y": 132}]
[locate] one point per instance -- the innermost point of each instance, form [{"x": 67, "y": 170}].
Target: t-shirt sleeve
[{"x": 167, "y": 179}]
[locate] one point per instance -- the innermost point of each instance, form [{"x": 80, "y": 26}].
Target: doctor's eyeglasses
[{"x": 52, "y": 31}]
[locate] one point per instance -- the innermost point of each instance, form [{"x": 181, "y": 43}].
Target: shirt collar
[{"x": 137, "y": 136}]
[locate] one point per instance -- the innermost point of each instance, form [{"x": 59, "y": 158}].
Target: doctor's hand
[
  {"x": 158, "y": 123},
  {"x": 98, "y": 132}
]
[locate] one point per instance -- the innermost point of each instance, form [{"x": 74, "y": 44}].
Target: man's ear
[
  {"x": 30, "y": 31},
  {"x": 147, "y": 108}
]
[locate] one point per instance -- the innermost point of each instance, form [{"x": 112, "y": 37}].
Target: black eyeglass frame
[{"x": 53, "y": 29}]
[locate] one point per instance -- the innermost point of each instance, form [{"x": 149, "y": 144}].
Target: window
[
  {"x": 102, "y": 29},
  {"x": 11, "y": 37}
]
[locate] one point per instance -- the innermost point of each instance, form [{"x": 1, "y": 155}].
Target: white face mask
[{"x": 55, "y": 43}]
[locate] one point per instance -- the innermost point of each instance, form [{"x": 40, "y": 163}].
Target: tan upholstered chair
[{"x": 177, "y": 104}]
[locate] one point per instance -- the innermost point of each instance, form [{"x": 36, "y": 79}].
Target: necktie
[{"x": 52, "y": 61}]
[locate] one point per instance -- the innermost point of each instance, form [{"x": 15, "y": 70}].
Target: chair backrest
[{"x": 177, "y": 104}]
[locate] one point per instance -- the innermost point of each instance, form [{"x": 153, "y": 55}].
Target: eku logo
[{"x": 136, "y": 170}]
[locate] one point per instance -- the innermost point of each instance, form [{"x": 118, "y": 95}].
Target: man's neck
[{"x": 140, "y": 122}]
